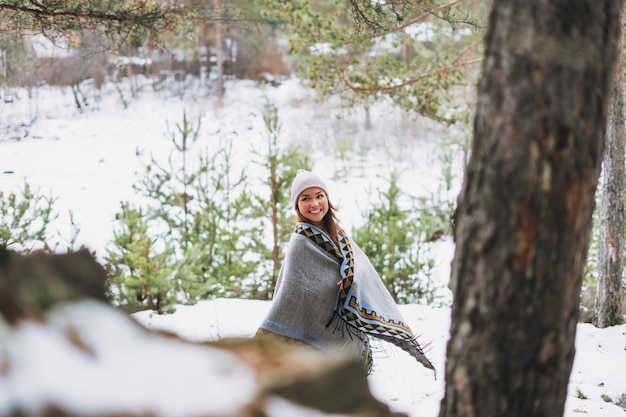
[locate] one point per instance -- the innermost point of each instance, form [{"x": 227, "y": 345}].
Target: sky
[{"x": 88, "y": 160}]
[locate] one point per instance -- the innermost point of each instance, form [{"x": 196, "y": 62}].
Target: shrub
[
  {"x": 197, "y": 228},
  {"x": 395, "y": 240},
  {"x": 25, "y": 220}
]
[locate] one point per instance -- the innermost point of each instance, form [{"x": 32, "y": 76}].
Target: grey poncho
[{"x": 332, "y": 298}]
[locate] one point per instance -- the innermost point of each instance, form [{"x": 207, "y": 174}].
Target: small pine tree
[
  {"x": 203, "y": 220},
  {"x": 227, "y": 236},
  {"x": 25, "y": 218},
  {"x": 394, "y": 239},
  {"x": 281, "y": 167},
  {"x": 141, "y": 272}
]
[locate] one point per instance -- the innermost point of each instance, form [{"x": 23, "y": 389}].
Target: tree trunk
[
  {"x": 608, "y": 305},
  {"x": 219, "y": 48},
  {"x": 524, "y": 215}
]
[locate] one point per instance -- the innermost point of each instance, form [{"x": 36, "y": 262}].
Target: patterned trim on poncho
[{"x": 351, "y": 303}]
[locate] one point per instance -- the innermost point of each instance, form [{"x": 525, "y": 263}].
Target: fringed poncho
[{"x": 332, "y": 298}]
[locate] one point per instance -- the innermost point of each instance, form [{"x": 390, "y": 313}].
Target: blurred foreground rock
[
  {"x": 65, "y": 352},
  {"x": 30, "y": 285}
]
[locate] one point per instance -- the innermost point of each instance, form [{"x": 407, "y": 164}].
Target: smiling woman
[
  {"x": 309, "y": 197},
  {"x": 328, "y": 294},
  {"x": 313, "y": 205}
]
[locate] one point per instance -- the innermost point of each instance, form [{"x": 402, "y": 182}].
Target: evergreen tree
[
  {"x": 25, "y": 217},
  {"x": 281, "y": 167},
  {"x": 395, "y": 240},
  {"x": 414, "y": 53},
  {"x": 120, "y": 20},
  {"x": 202, "y": 227},
  {"x": 141, "y": 266}
]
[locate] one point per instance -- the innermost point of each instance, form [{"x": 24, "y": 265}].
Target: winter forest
[{"x": 475, "y": 150}]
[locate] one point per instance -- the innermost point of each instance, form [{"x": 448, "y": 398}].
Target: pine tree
[
  {"x": 140, "y": 265},
  {"x": 414, "y": 53},
  {"x": 25, "y": 217},
  {"x": 395, "y": 240},
  {"x": 202, "y": 228},
  {"x": 281, "y": 166}
]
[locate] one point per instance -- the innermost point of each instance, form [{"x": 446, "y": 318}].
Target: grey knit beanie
[{"x": 305, "y": 179}]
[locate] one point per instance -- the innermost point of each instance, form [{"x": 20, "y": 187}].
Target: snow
[
  {"x": 88, "y": 161},
  {"x": 599, "y": 366},
  {"x": 163, "y": 376}
]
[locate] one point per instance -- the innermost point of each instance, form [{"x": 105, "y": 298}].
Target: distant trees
[
  {"x": 116, "y": 39},
  {"x": 90, "y": 32},
  {"x": 524, "y": 215}
]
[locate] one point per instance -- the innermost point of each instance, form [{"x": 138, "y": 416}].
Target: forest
[{"x": 535, "y": 87}]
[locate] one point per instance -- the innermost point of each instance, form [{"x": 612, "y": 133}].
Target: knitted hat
[{"x": 304, "y": 179}]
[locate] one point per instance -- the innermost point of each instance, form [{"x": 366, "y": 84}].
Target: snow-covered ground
[
  {"x": 88, "y": 161},
  {"x": 599, "y": 371}
]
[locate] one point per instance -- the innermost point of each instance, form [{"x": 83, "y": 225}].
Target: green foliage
[
  {"x": 141, "y": 270},
  {"x": 25, "y": 218},
  {"x": 606, "y": 398},
  {"x": 413, "y": 53},
  {"x": 203, "y": 229},
  {"x": 396, "y": 240},
  {"x": 119, "y": 20},
  {"x": 200, "y": 228},
  {"x": 280, "y": 167},
  {"x": 580, "y": 395}
]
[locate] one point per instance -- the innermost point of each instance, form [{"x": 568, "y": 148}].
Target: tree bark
[
  {"x": 608, "y": 304},
  {"x": 524, "y": 214},
  {"x": 219, "y": 48}
]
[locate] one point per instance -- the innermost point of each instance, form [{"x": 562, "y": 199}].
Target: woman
[{"x": 328, "y": 294}]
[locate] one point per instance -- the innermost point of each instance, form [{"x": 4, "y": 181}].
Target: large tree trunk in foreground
[
  {"x": 608, "y": 305},
  {"x": 524, "y": 215}
]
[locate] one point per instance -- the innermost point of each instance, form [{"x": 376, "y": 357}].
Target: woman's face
[{"x": 313, "y": 205}]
